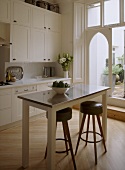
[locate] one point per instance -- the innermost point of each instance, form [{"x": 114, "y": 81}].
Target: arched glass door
[{"x": 98, "y": 50}]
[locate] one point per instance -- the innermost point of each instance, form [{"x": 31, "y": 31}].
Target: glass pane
[
  {"x": 111, "y": 12},
  {"x": 93, "y": 14},
  {"x": 117, "y": 67},
  {"x": 124, "y": 10}
]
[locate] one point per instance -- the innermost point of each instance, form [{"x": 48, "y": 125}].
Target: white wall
[{"x": 33, "y": 69}]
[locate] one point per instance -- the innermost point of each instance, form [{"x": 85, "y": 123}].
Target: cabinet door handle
[
  {"x": 49, "y": 28},
  {"x": 25, "y": 89},
  {"x": 44, "y": 27},
  {"x": 48, "y": 59},
  {"x": 44, "y": 59},
  {"x": 14, "y": 21},
  {"x": 14, "y": 59}
]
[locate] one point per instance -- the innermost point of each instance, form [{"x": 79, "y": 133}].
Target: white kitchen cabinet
[
  {"x": 52, "y": 45},
  {"x": 20, "y": 13},
  {"x": 45, "y": 35},
  {"x": 17, "y": 103},
  {"x": 37, "y": 45},
  {"x": 20, "y": 43},
  {"x": 38, "y": 18},
  {"x": 5, "y": 11},
  {"x": 5, "y": 106},
  {"x": 53, "y": 21},
  {"x": 42, "y": 87}
]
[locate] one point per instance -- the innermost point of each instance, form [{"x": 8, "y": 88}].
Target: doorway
[{"x": 102, "y": 53}]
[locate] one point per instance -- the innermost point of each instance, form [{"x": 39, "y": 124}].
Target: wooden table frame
[{"x": 52, "y": 125}]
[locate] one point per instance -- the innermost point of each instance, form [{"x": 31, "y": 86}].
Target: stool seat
[
  {"x": 64, "y": 114},
  {"x": 91, "y": 108}
]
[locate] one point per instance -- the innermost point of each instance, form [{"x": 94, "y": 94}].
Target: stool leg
[
  {"x": 70, "y": 143},
  {"x": 80, "y": 132},
  {"x": 65, "y": 138},
  {"x": 94, "y": 136},
  {"x": 101, "y": 131},
  {"x": 87, "y": 129}
]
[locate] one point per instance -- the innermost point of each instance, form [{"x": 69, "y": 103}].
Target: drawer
[
  {"x": 5, "y": 91},
  {"x": 32, "y": 88},
  {"x": 5, "y": 101},
  {"x": 21, "y": 89},
  {"x": 5, "y": 117}
]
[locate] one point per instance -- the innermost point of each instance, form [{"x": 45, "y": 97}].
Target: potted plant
[
  {"x": 65, "y": 61},
  {"x": 115, "y": 75}
]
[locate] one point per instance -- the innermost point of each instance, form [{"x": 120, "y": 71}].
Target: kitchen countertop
[{"x": 33, "y": 81}]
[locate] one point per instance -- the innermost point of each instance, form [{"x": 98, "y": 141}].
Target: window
[
  {"x": 111, "y": 12},
  {"x": 93, "y": 13}
]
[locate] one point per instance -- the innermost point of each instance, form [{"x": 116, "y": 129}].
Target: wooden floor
[{"x": 114, "y": 159}]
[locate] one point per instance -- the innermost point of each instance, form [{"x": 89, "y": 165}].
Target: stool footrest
[
  {"x": 64, "y": 150},
  {"x": 91, "y": 141}
]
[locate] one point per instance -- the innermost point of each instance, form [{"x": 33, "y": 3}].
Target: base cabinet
[
  {"x": 5, "y": 107},
  {"x": 17, "y": 103}
]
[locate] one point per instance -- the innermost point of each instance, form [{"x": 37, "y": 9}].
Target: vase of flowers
[{"x": 65, "y": 61}]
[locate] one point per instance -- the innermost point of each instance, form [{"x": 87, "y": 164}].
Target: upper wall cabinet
[
  {"x": 20, "y": 13},
  {"x": 53, "y": 21},
  {"x": 5, "y": 11},
  {"x": 44, "y": 19},
  {"x": 45, "y": 35},
  {"x": 38, "y": 18},
  {"x": 20, "y": 43}
]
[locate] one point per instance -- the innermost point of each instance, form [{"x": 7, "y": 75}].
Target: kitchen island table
[{"x": 52, "y": 102}]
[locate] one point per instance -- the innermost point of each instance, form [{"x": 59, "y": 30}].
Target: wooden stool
[
  {"x": 63, "y": 116},
  {"x": 95, "y": 109}
]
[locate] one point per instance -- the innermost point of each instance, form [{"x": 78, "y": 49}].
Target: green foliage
[
  {"x": 60, "y": 84},
  {"x": 65, "y": 61},
  {"x": 116, "y": 69}
]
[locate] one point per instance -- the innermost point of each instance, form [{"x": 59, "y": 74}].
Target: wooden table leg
[
  {"x": 51, "y": 139},
  {"x": 25, "y": 135},
  {"x": 104, "y": 115}
]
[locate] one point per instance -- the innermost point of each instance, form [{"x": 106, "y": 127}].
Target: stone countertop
[{"x": 33, "y": 81}]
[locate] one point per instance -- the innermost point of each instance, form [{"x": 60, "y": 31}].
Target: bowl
[{"x": 60, "y": 90}]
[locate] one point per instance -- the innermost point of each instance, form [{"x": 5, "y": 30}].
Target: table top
[{"x": 50, "y": 98}]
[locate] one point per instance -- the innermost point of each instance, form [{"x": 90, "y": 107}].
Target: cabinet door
[
  {"x": 52, "y": 45},
  {"x": 38, "y": 18},
  {"x": 20, "y": 41},
  {"x": 37, "y": 40},
  {"x": 5, "y": 106},
  {"x": 42, "y": 87},
  {"x": 5, "y": 11},
  {"x": 53, "y": 21},
  {"x": 21, "y": 13}
]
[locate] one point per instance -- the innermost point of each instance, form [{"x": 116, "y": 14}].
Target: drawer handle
[
  {"x": 14, "y": 59},
  {"x": 25, "y": 89},
  {"x": 44, "y": 27},
  {"x": 14, "y": 21}
]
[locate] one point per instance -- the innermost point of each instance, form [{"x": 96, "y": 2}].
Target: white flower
[{"x": 63, "y": 59}]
